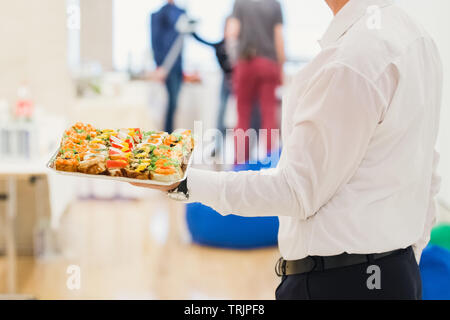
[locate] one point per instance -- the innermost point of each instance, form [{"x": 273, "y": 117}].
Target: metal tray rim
[{"x": 120, "y": 179}]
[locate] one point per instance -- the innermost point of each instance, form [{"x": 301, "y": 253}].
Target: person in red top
[{"x": 257, "y": 74}]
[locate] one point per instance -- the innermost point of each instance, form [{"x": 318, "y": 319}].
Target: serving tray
[{"x": 185, "y": 167}]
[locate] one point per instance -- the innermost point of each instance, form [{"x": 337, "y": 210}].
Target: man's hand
[
  {"x": 155, "y": 187},
  {"x": 160, "y": 75}
]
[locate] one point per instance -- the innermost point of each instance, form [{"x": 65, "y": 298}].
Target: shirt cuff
[{"x": 203, "y": 186}]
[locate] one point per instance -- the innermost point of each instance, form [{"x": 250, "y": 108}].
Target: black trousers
[{"x": 393, "y": 277}]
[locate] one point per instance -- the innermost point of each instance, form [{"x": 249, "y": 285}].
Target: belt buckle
[{"x": 280, "y": 267}]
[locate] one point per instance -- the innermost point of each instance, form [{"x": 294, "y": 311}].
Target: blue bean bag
[
  {"x": 208, "y": 227},
  {"x": 435, "y": 273}
]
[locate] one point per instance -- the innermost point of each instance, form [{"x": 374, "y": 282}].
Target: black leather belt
[{"x": 316, "y": 263}]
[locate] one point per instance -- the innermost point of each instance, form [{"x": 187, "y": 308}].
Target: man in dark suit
[{"x": 164, "y": 36}]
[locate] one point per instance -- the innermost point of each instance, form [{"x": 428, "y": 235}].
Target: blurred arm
[
  {"x": 279, "y": 44},
  {"x": 234, "y": 29},
  {"x": 201, "y": 40}
]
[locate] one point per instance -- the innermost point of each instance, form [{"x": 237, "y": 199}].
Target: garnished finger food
[{"x": 131, "y": 153}]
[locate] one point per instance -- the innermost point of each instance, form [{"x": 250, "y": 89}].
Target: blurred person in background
[
  {"x": 257, "y": 74},
  {"x": 164, "y": 37},
  {"x": 226, "y": 57}
]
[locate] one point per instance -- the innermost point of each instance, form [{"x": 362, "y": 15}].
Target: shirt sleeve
[
  {"x": 278, "y": 14},
  {"x": 333, "y": 123},
  {"x": 155, "y": 38},
  {"x": 431, "y": 213}
]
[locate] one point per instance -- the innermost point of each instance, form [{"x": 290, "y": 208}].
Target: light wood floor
[{"x": 139, "y": 250}]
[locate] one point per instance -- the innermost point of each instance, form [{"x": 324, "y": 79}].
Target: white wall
[
  {"x": 433, "y": 14},
  {"x": 33, "y": 50},
  {"x": 96, "y": 34}
]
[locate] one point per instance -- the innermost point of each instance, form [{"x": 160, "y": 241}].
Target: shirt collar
[{"x": 347, "y": 17}]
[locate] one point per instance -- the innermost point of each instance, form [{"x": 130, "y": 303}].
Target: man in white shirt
[{"x": 354, "y": 189}]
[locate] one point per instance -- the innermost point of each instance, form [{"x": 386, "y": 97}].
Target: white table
[{"x": 13, "y": 173}]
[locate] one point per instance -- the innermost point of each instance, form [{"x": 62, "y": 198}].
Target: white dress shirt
[{"x": 359, "y": 126}]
